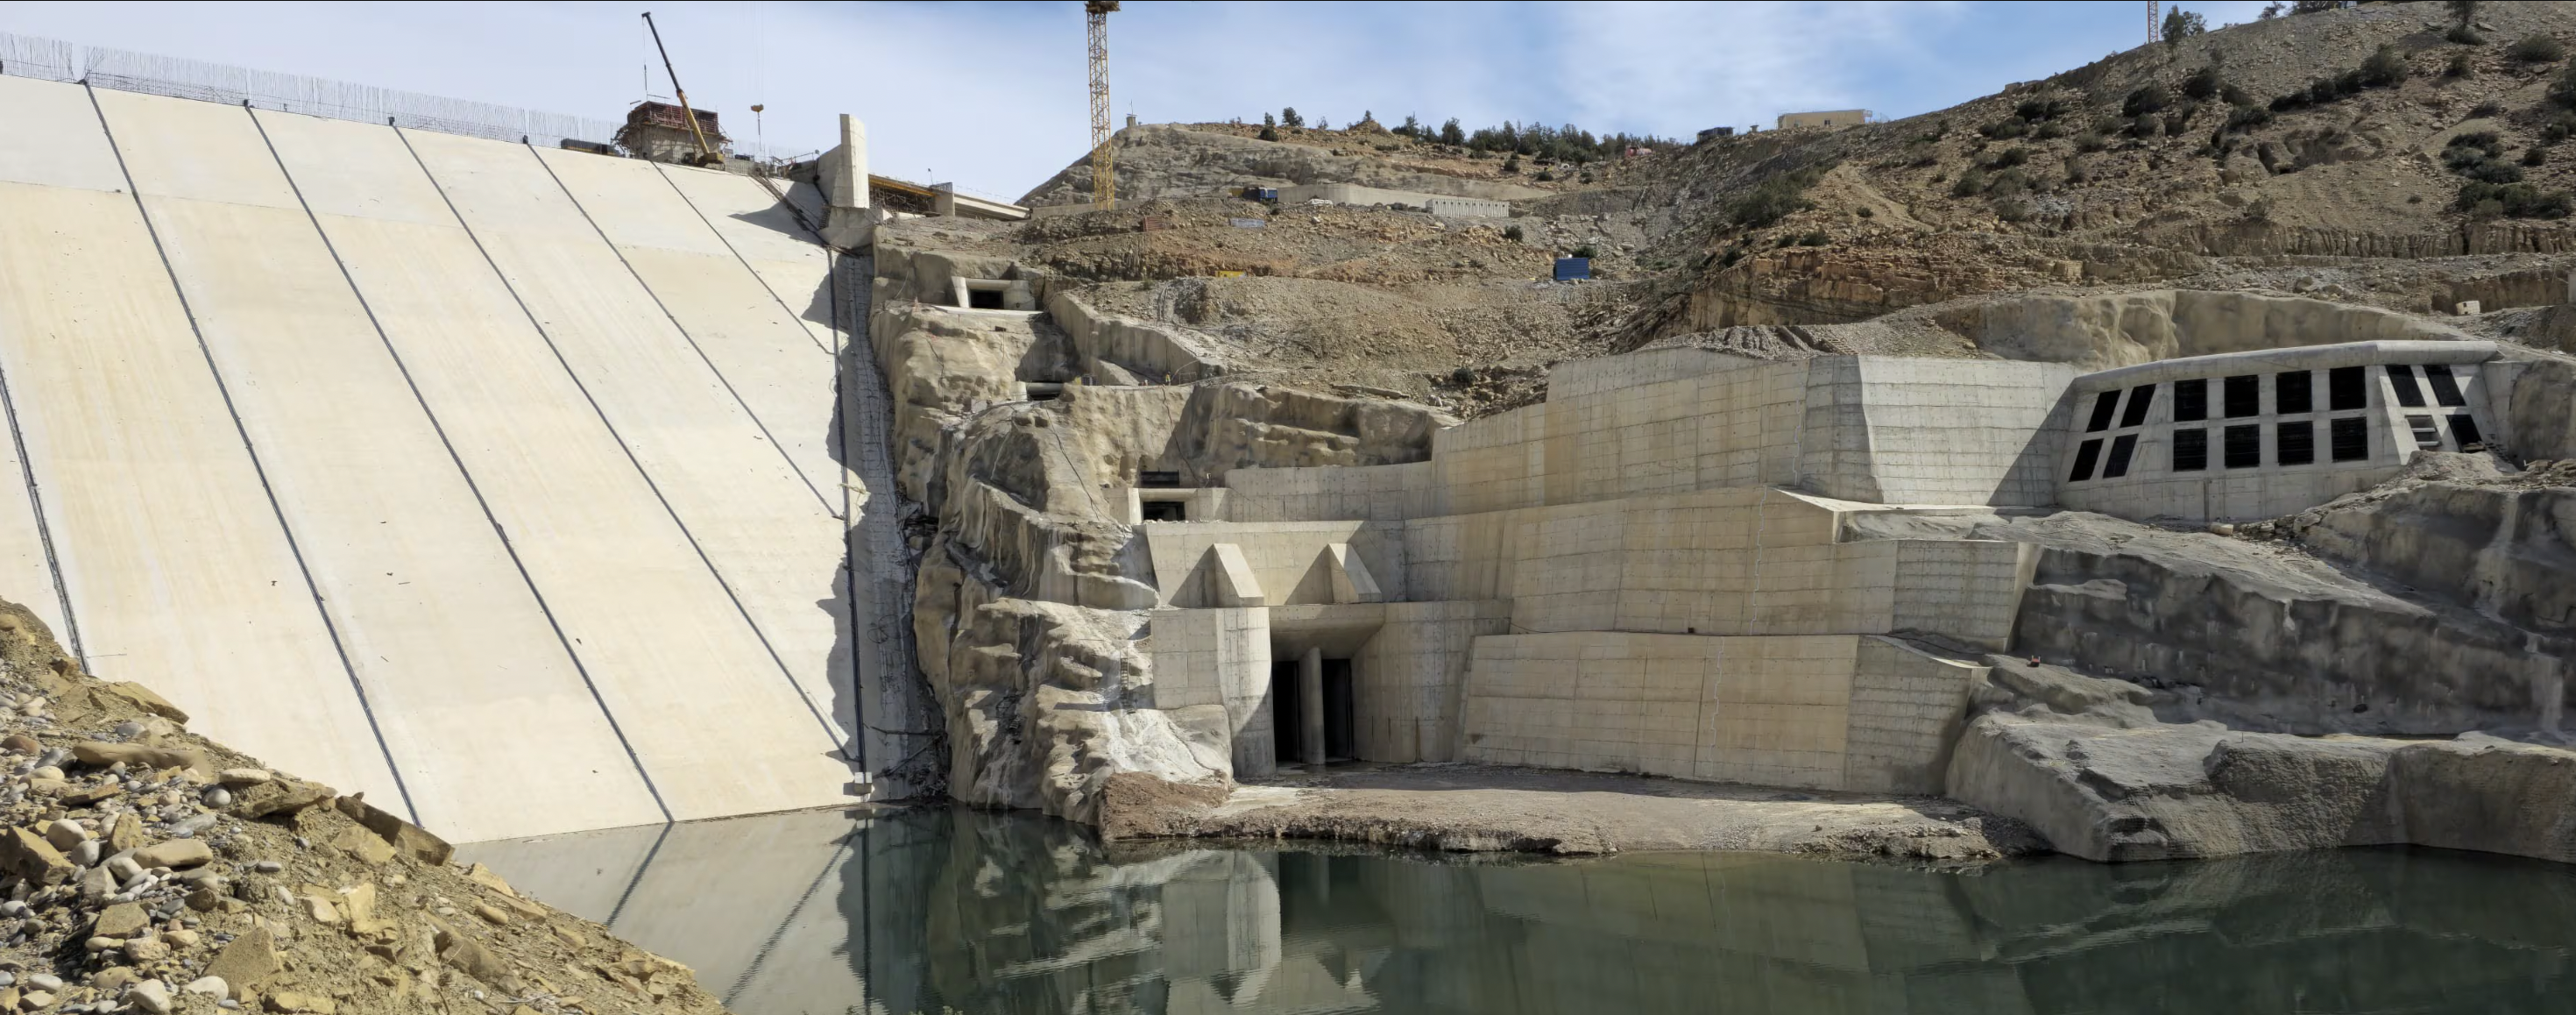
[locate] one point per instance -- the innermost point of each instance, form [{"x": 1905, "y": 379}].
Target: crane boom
[
  {"x": 704, "y": 148},
  {"x": 1104, "y": 177}
]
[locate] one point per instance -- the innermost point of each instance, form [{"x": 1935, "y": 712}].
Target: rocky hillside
[
  {"x": 1219, "y": 159},
  {"x": 150, "y": 870},
  {"x": 2371, "y": 157},
  {"x": 2366, "y": 154}
]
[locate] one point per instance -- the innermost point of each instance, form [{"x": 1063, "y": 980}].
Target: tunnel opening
[
  {"x": 984, "y": 299},
  {"x": 1288, "y": 705}
]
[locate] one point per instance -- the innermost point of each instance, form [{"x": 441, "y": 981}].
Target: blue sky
[{"x": 991, "y": 95}]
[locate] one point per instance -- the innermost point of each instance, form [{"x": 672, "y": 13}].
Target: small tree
[
  {"x": 1289, "y": 116},
  {"x": 1269, "y": 132},
  {"x": 1268, "y": 121},
  {"x": 1452, "y": 134},
  {"x": 2462, "y": 11},
  {"x": 1411, "y": 128},
  {"x": 1323, "y": 124},
  {"x": 2181, "y": 24},
  {"x": 1512, "y": 164}
]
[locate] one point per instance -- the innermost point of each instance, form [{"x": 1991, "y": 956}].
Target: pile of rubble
[{"x": 146, "y": 869}]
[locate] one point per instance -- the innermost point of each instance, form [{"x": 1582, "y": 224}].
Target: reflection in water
[{"x": 899, "y": 911}]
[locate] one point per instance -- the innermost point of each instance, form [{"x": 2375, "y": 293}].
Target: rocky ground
[
  {"x": 1484, "y": 808},
  {"x": 2064, "y": 185},
  {"x": 149, "y": 870}
]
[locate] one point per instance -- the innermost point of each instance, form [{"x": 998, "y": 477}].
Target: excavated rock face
[
  {"x": 2119, "y": 329},
  {"x": 2504, "y": 552},
  {"x": 1029, "y": 611},
  {"x": 2091, "y": 765},
  {"x": 2266, "y": 637},
  {"x": 2543, "y": 413}
]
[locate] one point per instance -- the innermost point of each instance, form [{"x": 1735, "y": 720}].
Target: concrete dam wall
[{"x": 499, "y": 483}]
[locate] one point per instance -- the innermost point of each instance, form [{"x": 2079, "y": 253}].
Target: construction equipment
[
  {"x": 1104, "y": 179},
  {"x": 706, "y": 152}
]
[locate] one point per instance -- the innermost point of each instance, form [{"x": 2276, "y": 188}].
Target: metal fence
[{"x": 122, "y": 70}]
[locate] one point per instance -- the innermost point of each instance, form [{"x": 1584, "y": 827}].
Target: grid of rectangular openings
[{"x": 2291, "y": 441}]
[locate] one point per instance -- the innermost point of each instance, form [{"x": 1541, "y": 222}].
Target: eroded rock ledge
[{"x": 2089, "y": 764}]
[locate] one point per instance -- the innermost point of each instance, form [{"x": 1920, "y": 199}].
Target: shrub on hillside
[
  {"x": 2180, "y": 119},
  {"x": 2090, "y": 141},
  {"x": 2459, "y": 67},
  {"x": 2383, "y": 68},
  {"x": 1970, "y": 183},
  {"x": 1776, "y": 198},
  {"x": 2203, "y": 83},
  {"x": 2561, "y": 126},
  {"x": 2511, "y": 200},
  {"x": 2149, "y": 98},
  {"x": 2562, "y": 92},
  {"x": 2044, "y": 108},
  {"x": 2465, "y": 35},
  {"x": 2536, "y": 49}
]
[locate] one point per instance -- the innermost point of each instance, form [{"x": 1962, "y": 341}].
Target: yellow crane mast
[{"x": 1104, "y": 179}]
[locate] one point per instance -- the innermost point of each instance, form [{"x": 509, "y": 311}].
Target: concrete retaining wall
[
  {"x": 1902, "y": 431},
  {"x": 1832, "y": 712}
]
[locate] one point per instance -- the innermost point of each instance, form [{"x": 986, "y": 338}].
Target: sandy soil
[{"x": 1482, "y": 808}]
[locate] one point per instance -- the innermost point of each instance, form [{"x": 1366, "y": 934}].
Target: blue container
[
  {"x": 1260, "y": 193},
  {"x": 1569, "y": 269}
]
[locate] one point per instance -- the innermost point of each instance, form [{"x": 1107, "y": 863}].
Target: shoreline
[{"x": 1467, "y": 808}]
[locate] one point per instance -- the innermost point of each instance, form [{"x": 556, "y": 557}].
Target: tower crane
[{"x": 1104, "y": 179}]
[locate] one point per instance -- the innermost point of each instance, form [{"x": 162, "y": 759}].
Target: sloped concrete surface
[{"x": 427, "y": 466}]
